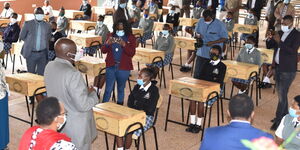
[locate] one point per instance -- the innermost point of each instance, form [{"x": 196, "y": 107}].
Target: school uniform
[
  {"x": 145, "y": 99},
  {"x": 197, "y": 12},
  {"x": 147, "y": 25},
  {"x": 173, "y": 18},
  {"x": 62, "y": 25},
  {"x": 135, "y": 13},
  {"x": 250, "y": 21},
  {"x": 11, "y": 34},
  {"x": 102, "y": 31},
  {"x": 54, "y": 37},
  {"x": 153, "y": 9}
]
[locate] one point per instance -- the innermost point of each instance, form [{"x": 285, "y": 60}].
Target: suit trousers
[
  {"x": 37, "y": 62},
  {"x": 114, "y": 74},
  {"x": 283, "y": 83}
]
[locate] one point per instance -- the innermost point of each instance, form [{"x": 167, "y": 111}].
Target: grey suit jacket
[
  {"x": 28, "y": 35},
  {"x": 66, "y": 83}
]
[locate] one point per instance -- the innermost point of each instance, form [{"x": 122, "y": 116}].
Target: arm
[
  {"x": 106, "y": 47},
  {"x": 222, "y": 34},
  {"x": 290, "y": 49},
  {"x": 221, "y": 75},
  {"x": 130, "y": 102},
  {"x": 150, "y": 104},
  {"x": 24, "y": 31},
  {"x": 78, "y": 92},
  {"x": 129, "y": 48},
  {"x": 15, "y": 34},
  {"x": 277, "y": 12}
]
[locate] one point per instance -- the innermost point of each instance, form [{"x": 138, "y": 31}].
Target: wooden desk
[
  {"x": 90, "y": 65},
  {"x": 71, "y": 14},
  {"x": 109, "y": 11},
  {"x": 266, "y": 55},
  {"x": 28, "y": 17},
  {"x": 158, "y": 26},
  {"x": 81, "y": 24},
  {"x": 165, "y": 10},
  {"x": 146, "y": 56},
  {"x": 153, "y": 16},
  {"x": 16, "y": 48},
  {"x": 97, "y": 10},
  {"x": 192, "y": 89},
  {"x": 247, "y": 29},
  {"x": 239, "y": 70},
  {"x": 25, "y": 83},
  {"x": 185, "y": 43},
  {"x": 4, "y": 22},
  {"x": 188, "y": 21},
  {"x": 137, "y": 31},
  {"x": 114, "y": 119},
  {"x": 84, "y": 40}
]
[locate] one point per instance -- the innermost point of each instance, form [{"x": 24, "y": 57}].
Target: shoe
[
  {"x": 196, "y": 129},
  {"x": 185, "y": 69},
  {"x": 190, "y": 128},
  {"x": 120, "y": 103},
  {"x": 36, "y": 121},
  {"x": 275, "y": 125},
  {"x": 273, "y": 120}
]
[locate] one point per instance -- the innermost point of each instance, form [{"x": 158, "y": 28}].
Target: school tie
[
  {"x": 38, "y": 38},
  {"x": 296, "y": 124}
]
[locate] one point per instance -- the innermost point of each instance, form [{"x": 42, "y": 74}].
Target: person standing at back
[
  {"x": 36, "y": 35},
  {"x": 48, "y": 10},
  {"x": 87, "y": 10}
]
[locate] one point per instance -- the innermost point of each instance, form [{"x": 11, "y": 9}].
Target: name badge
[{"x": 147, "y": 96}]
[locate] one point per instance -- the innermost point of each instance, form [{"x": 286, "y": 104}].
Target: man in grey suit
[
  {"x": 66, "y": 83},
  {"x": 36, "y": 34}
]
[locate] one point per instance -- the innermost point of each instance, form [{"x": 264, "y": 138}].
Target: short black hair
[
  {"x": 288, "y": 17},
  {"x": 47, "y": 110},
  {"x": 251, "y": 38},
  {"x": 207, "y": 13},
  {"x": 14, "y": 15},
  {"x": 230, "y": 13},
  {"x": 166, "y": 26},
  {"x": 126, "y": 26},
  {"x": 218, "y": 48},
  {"x": 241, "y": 105},
  {"x": 53, "y": 23},
  {"x": 149, "y": 71},
  {"x": 297, "y": 99},
  {"x": 101, "y": 16},
  {"x": 38, "y": 10}
]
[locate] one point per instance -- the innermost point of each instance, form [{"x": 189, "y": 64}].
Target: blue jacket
[
  {"x": 11, "y": 33},
  {"x": 229, "y": 137}
]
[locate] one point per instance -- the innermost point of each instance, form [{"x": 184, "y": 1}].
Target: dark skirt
[{"x": 4, "y": 125}]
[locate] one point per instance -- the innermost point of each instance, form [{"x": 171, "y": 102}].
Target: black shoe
[
  {"x": 36, "y": 121},
  {"x": 275, "y": 125},
  {"x": 190, "y": 128},
  {"x": 120, "y": 103},
  {"x": 196, "y": 129},
  {"x": 273, "y": 120},
  {"x": 185, "y": 69}
]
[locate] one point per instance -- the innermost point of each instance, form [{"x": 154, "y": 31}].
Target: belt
[{"x": 38, "y": 51}]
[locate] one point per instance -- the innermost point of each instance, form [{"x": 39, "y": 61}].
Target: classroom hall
[{"x": 174, "y": 81}]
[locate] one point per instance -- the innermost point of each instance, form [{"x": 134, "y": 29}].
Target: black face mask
[
  {"x": 53, "y": 30},
  {"x": 214, "y": 56},
  {"x": 7, "y": 7}
]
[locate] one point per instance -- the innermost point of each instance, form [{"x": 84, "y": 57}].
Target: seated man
[
  {"x": 147, "y": 24},
  {"x": 214, "y": 71},
  {"x": 11, "y": 32},
  {"x": 144, "y": 96},
  {"x": 228, "y": 137},
  {"x": 52, "y": 117},
  {"x": 248, "y": 54},
  {"x": 288, "y": 125}
]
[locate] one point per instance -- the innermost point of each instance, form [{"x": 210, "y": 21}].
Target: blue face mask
[
  {"x": 133, "y": 6},
  {"x": 140, "y": 82},
  {"x": 146, "y": 15},
  {"x": 248, "y": 46},
  {"x": 99, "y": 23},
  {"x": 39, "y": 17},
  {"x": 120, "y": 32},
  {"x": 165, "y": 32},
  {"x": 172, "y": 11},
  {"x": 122, "y": 5},
  {"x": 293, "y": 112},
  {"x": 286, "y": 1}
]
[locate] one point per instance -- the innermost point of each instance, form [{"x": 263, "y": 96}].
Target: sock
[
  {"x": 96, "y": 88},
  {"x": 120, "y": 148},
  {"x": 223, "y": 54},
  {"x": 266, "y": 80},
  {"x": 193, "y": 119},
  {"x": 241, "y": 92},
  {"x": 199, "y": 121}
]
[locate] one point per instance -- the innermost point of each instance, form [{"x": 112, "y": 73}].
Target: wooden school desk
[{"x": 85, "y": 40}]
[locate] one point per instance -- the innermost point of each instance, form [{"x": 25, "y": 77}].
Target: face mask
[
  {"x": 286, "y": 1},
  {"x": 250, "y": 15},
  {"x": 285, "y": 28},
  {"x": 39, "y": 17},
  {"x": 13, "y": 20},
  {"x": 293, "y": 112},
  {"x": 146, "y": 15},
  {"x": 120, "y": 33},
  {"x": 133, "y": 6},
  {"x": 61, "y": 14},
  {"x": 248, "y": 46},
  {"x": 140, "y": 82},
  {"x": 172, "y": 11},
  {"x": 62, "y": 124},
  {"x": 214, "y": 56},
  {"x": 122, "y": 5},
  {"x": 228, "y": 19},
  {"x": 77, "y": 56},
  {"x": 53, "y": 30},
  {"x": 99, "y": 23},
  {"x": 165, "y": 32},
  {"x": 208, "y": 22},
  {"x": 6, "y": 7},
  {"x": 84, "y": 2}
]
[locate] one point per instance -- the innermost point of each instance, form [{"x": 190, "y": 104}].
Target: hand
[
  {"x": 211, "y": 43},
  {"x": 91, "y": 89},
  {"x": 123, "y": 43},
  {"x": 109, "y": 41},
  {"x": 277, "y": 38}
]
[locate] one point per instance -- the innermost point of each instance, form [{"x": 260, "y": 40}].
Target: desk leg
[
  {"x": 218, "y": 111},
  {"x": 106, "y": 141},
  {"x": 180, "y": 55},
  {"x": 14, "y": 60},
  {"x": 168, "y": 109},
  {"x": 222, "y": 111},
  {"x": 164, "y": 76},
  {"x": 26, "y": 98},
  {"x": 182, "y": 110},
  {"x": 204, "y": 121},
  {"x": 32, "y": 112}
]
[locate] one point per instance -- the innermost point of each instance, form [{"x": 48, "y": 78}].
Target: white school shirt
[
  {"x": 6, "y": 13},
  {"x": 48, "y": 9}
]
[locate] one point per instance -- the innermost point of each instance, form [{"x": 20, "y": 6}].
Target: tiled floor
[{"x": 175, "y": 138}]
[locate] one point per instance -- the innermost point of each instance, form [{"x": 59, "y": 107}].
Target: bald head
[{"x": 64, "y": 47}]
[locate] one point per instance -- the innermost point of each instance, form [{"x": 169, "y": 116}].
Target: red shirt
[{"x": 126, "y": 58}]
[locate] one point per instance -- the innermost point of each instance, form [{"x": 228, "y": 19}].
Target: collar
[
  {"x": 250, "y": 51},
  {"x": 165, "y": 36},
  {"x": 214, "y": 63},
  {"x": 146, "y": 87},
  {"x": 63, "y": 61},
  {"x": 289, "y": 31},
  {"x": 295, "y": 120},
  {"x": 239, "y": 121}
]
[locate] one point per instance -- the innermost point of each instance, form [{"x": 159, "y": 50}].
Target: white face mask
[
  {"x": 77, "y": 56},
  {"x": 208, "y": 22},
  {"x": 286, "y": 1},
  {"x": 13, "y": 20},
  {"x": 39, "y": 17},
  {"x": 60, "y": 125},
  {"x": 285, "y": 28}
]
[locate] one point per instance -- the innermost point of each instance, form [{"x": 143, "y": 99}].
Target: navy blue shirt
[{"x": 117, "y": 48}]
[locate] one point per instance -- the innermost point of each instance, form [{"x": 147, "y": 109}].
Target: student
[
  {"x": 55, "y": 35},
  {"x": 267, "y": 68},
  {"x": 248, "y": 54},
  {"x": 11, "y": 32},
  {"x": 214, "y": 71},
  {"x": 62, "y": 22},
  {"x": 87, "y": 9},
  {"x": 229, "y": 22},
  {"x": 7, "y": 11},
  {"x": 144, "y": 96},
  {"x": 251, "y": 19},
  {"x": 48, "y": 10},
  {"x": 173, "y": 18},
  {"x": 153, "y": 8},
  {"x": 165, "y": 42},
  {"x": 147, "y": 24},
  {"x": 101, "y": 28},
  {"x": 135, "y": 13},
  {"x": 197, "y": 10}
]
